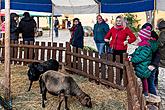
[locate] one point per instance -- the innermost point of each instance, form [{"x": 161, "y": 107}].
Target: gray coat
[{"x": 161, "y": 46}]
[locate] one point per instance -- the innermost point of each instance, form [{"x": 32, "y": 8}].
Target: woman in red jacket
[{"x": 118, "y": 35}]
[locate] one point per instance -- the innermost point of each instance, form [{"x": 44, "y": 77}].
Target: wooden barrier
[
  {"x": 102, "y": 70},
  {"x": 33, "y": 52}
]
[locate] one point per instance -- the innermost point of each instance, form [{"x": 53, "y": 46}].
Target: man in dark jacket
[
  {"x": 161, "y": 41},
  {"x": 27, "y": 27}
]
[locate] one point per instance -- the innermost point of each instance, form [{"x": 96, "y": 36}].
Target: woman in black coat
[{"x": 77, "y": 34}]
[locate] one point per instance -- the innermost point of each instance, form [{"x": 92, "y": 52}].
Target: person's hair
[
  {"x": 122, "y": 19},
  {"x": 154, "y": 35},
  {"x": 26, "y": 14},
  {"x": 76, "y": 19},
  {"x": 119, "y": 17},
  {"x": 99, "y": 16}
]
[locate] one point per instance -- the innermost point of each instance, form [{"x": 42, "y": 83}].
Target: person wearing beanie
[
  {"x": 144, "y": 34},
  {"x": 142, "y": 56},
  {"x": 161, "y": 42}
]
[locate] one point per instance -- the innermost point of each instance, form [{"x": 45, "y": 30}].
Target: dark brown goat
[{"x": 59, "y": 84}]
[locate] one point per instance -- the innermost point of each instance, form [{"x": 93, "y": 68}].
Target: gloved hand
[
  {"x": 129, "y": 58},
  {"x": 151, "y": 67},
  {"x": 125, "y": 42}
]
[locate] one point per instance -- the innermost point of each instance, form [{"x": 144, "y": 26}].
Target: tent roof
[
  {"x": 122, "y": 6},
  {"x": 30, "y": 5},
  {"x": 160, "y": 5},
  {"x": 75, "y": 6}
]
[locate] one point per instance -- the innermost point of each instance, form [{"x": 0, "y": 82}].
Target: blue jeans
[
  {"x": 56, "y": 31},
  {"x": 100, "y": 48},
  {"x": 151, "y": 84}
]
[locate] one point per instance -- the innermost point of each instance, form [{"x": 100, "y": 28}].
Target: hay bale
[{"x": 102, "y": 97}]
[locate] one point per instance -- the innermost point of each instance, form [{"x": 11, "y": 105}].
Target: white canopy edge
[
  {"x": 160, "y": 5},
  {"x": 75, "y": 6}
]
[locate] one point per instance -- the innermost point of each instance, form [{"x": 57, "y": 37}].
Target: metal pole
[
  {"x": 7, "y": 79},
  {"x": 52, "y": 23}
]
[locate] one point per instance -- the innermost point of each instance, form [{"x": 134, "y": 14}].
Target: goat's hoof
[{"x": 66, "y": 109}]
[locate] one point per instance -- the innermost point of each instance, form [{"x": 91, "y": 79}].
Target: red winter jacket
[{"x": 118, "y": 38}]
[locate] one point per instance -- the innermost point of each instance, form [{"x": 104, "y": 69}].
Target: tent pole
[
  {"x": 7, "y": 79},
  {"x": 153, "y": 14},
  {"x": 52, "y": 23}
]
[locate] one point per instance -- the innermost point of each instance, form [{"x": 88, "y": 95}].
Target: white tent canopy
[
  {"x": 160, "y": 5},
  {"x": 75, "y": 6}
]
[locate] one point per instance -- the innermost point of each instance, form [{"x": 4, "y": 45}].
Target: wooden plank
[
  {"x": 15, "y": 52},
  {"x": 97, "y": 72},
  {"x": 118, "y": 74},
  {"x": 74, "y": 58},
  {"x": 85, "y": 61},
  {"x": 54, "y": 51},
  {"x": 7, "y": 73},
  {"x": 31, "y": 51},
  {"x": 110, "y": 70},
  {"x": 42, "y": 51},
  {"x": 20, "y": 52},
  {"x": 36, "y": 56},
  {"x": 79, "y": 60},
  {"x": 68, "y": 57},
  {"x": 25, "y": 53},
  {"x": 103, "y": 67},
  {"x": 49, "y": 51},
  {"x": 90, "y": 64},
  {"x": 60, "y": 53},
  {"x": 125, "y": 56}
]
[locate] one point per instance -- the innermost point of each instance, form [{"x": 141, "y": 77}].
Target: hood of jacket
[
  {"x": 27, "y": 19},
  {"x": 154, "y": 45},
  {"x": 161, "y": 25}
]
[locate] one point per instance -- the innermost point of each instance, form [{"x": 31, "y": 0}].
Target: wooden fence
[
  {"x": 34, "y": 52},
  {"x": 82, "y": 62}
]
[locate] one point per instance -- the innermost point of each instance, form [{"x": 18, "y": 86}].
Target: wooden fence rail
[{"x": 34, "y": 52}]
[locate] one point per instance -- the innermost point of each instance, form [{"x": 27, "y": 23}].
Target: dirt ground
[{"x": 102, "y": 97}]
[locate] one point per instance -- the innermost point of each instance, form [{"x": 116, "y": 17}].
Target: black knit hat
[{"x": 147, "y": 24}]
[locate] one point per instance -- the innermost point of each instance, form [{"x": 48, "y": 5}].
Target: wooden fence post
[
  {"x": 110, "y": 70},
  {"x": 48, "y": 51},
  {"x": 68, "y": 57},
  {"x": 42, "y": 57},
  {"x": 125, "y": 56}
]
